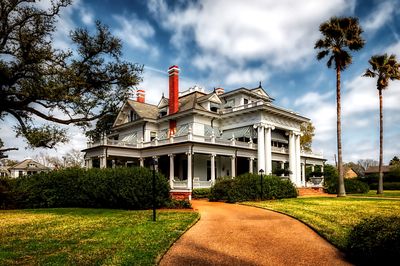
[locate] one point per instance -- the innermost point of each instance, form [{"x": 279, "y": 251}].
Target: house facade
[
  {"x": 27, "y": 167},
  {"x": 198, "y": 137}
]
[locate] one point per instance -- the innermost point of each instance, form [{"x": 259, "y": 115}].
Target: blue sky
[{"x": 236, "y": 43}]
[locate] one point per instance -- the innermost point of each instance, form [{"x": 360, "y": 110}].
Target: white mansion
[{"x": 198, "y": 136}]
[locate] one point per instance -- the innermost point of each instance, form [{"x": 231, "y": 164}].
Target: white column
[
  {"x": 251, "y": 163},
  {"x": 268, "y": 152},
  {"x": 303, "y": 174},
  {"x": 189, "y": 170},
  {"x": 298, "y": 167},
  {"x": 171, "y": 170},
  {"x": 103, "y": 161},
  {"x": 282, "y": 167},
  {"x": 141, "y": 162},
  {"x": 260, "y": 148},
  {"x": 292, "y": 160},
  {"x": 313, "y": 168},
  {"x": 89, "y": 163},
  {"x": 322, "y": 170},
  {"x": 233, "y": 166},
  {"x": 113, "y": 163},
  {"x": 212, "y": 169}
]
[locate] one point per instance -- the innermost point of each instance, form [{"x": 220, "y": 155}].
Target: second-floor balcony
[{"x": 189, "y": 137}]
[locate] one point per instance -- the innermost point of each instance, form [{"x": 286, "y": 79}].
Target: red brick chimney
[
  {"x": 140, "y": 95},
  {"x": 173, "y": 72}
]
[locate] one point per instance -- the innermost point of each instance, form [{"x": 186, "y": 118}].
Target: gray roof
[
  {"x": 29, "y": 164},
  {"x": 375, "y": 169},
  {"x": 144, "y": 110}
]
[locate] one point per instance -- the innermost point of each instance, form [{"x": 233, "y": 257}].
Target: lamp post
[
  {"x": 155, "y": 163},
  {"x": 261, "y": 183}
]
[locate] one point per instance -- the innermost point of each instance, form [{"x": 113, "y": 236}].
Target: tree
[
  {"x": 340, "y": 37},
  {"x": 73, "y": 158},
  {"x": 365, "y": 163},
  {"x": 59, "y": 87},
  {"x": 395, "y": 161},
  {"x": 308, "y": 133},
  {"x": 385, "y": 68}
]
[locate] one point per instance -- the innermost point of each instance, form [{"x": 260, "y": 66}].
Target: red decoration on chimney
[{"x": 140, "y": 96}]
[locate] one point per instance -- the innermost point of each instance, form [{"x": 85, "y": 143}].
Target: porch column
[
  {"x": 189, "y": 170},
  {"x": 251, "y": 163},
  {"x": 322, "y": 170},
  {"x": 113, "y": 163},
  {"x": 303, "y": 174},
  {"x": 103, "y": 161},
  {"x": 141, "y": 162},
  {"x": 260, "y": 148},
  {"x": 282, "y": 167},
  {"x": 212, "y": 169},
  {"x": 313, "y": 168},
  {"x": 298, "y": 167},
  {"x": 233, "y": 166},
  {"x": 171, "y": 170},
  {"x": 89, "y": 163},
  {"x": 268, "y": 151},
  {"x": 292, "y": 160}
]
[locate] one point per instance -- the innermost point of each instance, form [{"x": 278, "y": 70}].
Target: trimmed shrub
[
  {"x": 386, "y": 186},
  {"x": 200, "y": 193},
  {"x": 125, "y": 188},
  {"x": 248, "y": 187},
  {"x": 351, "y": 185},
  {"x": 178, "y": 204},
  {"x": 375, "y": 241},
  {"x": 355, "y": 186}
]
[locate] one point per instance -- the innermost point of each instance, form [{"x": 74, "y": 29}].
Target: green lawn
[
  {"x": 88, "y": 236},
  {"x": 333, "y": 218},
  {"x": 386, "y": 193}
]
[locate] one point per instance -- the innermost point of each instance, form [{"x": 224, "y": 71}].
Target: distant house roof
[
  {"x": 375, "y": 169},
  {"x": 350, "y": 173},
  {"x": 29, "y": 164}
]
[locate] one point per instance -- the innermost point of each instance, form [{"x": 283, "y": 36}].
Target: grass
[
  {"x": 386, "y": 193},
  {"x": 333, "y": 218},
  {"x": 88, "y": 236}
]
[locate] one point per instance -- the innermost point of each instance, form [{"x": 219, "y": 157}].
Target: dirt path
[{"x": 231, "y": 234}]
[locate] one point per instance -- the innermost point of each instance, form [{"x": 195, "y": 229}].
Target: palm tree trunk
[
  {"x": 380, "y": 184},
  {"x": 341, "y": 189}
]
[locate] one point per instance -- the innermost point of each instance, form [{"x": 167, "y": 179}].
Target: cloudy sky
[{"x": 236, "y": 43}]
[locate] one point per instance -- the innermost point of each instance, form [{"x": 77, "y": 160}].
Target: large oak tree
[{"x": 68, "y": 87}]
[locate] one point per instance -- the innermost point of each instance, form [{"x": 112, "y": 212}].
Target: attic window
[
  {"x": 132, "y": 116},
  {"x": 163, "y": 112},
  {"x": 214, "y": 107}
]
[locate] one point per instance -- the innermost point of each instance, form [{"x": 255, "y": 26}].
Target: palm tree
[
  {"x": 385, "y": 68},
  {"x": 340, "y": 37}
]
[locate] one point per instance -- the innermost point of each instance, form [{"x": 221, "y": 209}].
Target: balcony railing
[{"x": 196, "y": 138}]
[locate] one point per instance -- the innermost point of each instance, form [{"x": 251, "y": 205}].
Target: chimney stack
[
  {"x": 140, "y": 96},
  {"x": 173, "y": 73},
  {"x": 219, "y": 91}
]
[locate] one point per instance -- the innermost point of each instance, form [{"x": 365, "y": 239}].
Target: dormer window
[
  {"x": 214, "y": 107},
  {"x": 132, "y": 116},
  {"x": 163, "y": 112},
  {"x": 245, "y": 101},
  {"x": 230, "y": 103}
]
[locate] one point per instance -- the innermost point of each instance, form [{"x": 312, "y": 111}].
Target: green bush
[
  {"x": 125, "y": 188},
  {"x": 351, "y": 185},
  {"x": 355, "y": 186},
  {"x": 178, "y": 204},
  {"x": 386, "y": 186},
  {"x": 200, "y": 193},
  {"x": 248, "y": 187},
  {"x": 375, "y": 240}
]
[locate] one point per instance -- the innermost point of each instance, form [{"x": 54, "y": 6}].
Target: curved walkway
[{"x": 232, "y": 234}]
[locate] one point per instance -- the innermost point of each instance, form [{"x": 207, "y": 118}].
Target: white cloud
[
  {"x": 136, "y": 33},
  {"x": 382, "y": 15},
  {"x": 280, "y": 31}
]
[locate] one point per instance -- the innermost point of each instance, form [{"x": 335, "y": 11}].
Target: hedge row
[
  {"x": 200, "y": 193},
  {"x": 375, "y": 241},
  {"x": 386, "y": 185},
  {"x": 248, "y": 187},
  {"x": 125, "y": 188}
]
